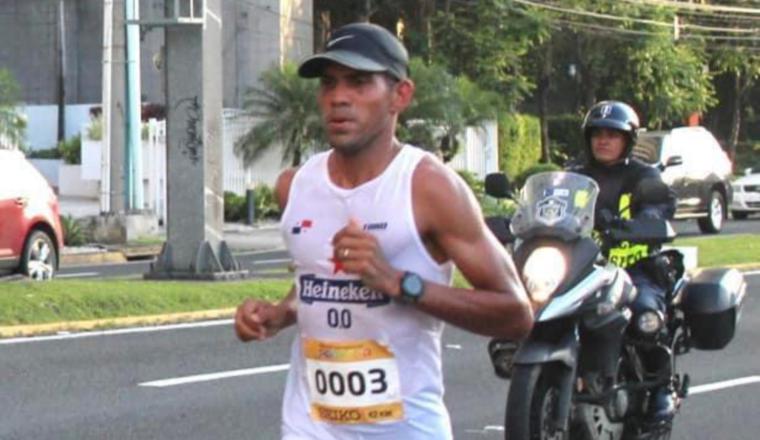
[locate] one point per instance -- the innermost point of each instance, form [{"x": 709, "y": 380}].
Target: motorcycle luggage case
[{"x": 711, "y": 304}]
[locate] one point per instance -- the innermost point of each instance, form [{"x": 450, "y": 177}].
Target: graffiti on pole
[{"x": 192, "y": 142}]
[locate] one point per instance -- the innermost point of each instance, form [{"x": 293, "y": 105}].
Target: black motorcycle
[{"x": 581, "y": 373}]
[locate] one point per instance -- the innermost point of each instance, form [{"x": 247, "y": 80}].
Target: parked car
[
  {"x": 31, "y": 236},
  {"x": 696, "y": 168},
  {"x": 746, "y": 194}
]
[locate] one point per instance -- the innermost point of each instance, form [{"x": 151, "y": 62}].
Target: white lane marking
[
  {"x": 752, "y": 272},
  {"x": 268, "y": 251},
  {"x": 214, "y": 376},
  {"x": 277, "y": 261},
  {"x": 486, "y": 429},
  {"x": 699, "y": 389},
  {"x": 77, "y": 275},
  {"x": 123, "y": 263},
  {"x": 453, "y": 346},
  {"x": 715, "y": 386},
  {"x": 122, "y": 331}
]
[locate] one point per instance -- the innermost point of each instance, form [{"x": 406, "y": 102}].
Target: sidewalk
[{"x": 239, "y": 237}]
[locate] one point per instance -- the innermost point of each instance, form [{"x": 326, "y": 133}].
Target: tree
[
  {"x": 443, "y": 106},
  {"x": 628, "y": 51},
  {"x": 668, "y": 81},
  {"x": 487, "y": 40},
  {"x": 744, "y": 68},
  {"x": 12, "y": 124},
  {"x": 287, "y": 113}
]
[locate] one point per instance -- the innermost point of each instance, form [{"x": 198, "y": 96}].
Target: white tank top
[{"x": 362, "y": 365}]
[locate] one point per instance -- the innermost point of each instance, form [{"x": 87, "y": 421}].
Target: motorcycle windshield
[{"x": 556, "y": 204}]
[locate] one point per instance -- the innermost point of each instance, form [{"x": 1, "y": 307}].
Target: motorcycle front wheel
[{"x": 532, "y": 403}]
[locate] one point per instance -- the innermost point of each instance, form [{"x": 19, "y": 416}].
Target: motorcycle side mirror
[{"x": 497, "y": 185}]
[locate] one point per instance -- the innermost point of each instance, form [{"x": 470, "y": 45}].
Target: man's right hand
[{"x": 258, "y": 320}]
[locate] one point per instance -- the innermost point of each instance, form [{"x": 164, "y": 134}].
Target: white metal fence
[
  {"x": 478, "y": 154},
  {"x": 479, "y": 150},
  {"x": 238, "y": 177},
  {"x": 154, "y": 167}
]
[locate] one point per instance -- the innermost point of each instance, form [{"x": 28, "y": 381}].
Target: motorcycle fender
[
  {"x": 534, "y": 351},
  {"x": 615, "y": 319}
]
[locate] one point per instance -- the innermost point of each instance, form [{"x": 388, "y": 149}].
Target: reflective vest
[{"x": 626, "y": 253}]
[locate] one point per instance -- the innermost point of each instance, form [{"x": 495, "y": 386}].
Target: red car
[{"x": 31, "y": 237}]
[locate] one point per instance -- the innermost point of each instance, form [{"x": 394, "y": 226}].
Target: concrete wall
[
  {"x": 259, "y": 34},
  {"x": 42, "y": 123},
  {"x": 70, "y": 183},
  {"x": 256, "y": 35},
  {"x": 49, "y": 169},
  {"x": 27, "y": 30}
]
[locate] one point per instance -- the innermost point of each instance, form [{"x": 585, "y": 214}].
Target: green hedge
[
  {"x": 535, "y": 169},
  {"x": 234, "y": 207},
  {"x": 69, "y": 150},
  {"x": 489, "y": 206},
  {"x": 265, "y": 206},
  {"x": 566, "y": 137},
  {"x": 519, "y": 143}
]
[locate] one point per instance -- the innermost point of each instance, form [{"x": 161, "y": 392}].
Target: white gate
[
  {"x": 479, "y": 150},
  {"x": 154, "y": 168}
]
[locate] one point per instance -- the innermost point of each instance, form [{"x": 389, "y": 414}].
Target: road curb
[
  {"x": 93, "y": 258},
  {"x": 15, "y": 331}
]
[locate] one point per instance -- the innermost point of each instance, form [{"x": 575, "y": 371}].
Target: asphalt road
[
  {"x": 114, "y": 385},
  {"x": 276, "y": 262},
  {"x": 689, "y": 228}
]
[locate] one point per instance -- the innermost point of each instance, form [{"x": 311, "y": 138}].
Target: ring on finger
[{"x": 345, "y": 252}]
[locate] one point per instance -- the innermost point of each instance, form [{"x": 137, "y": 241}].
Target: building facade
[{"x": 257, "y": 34}]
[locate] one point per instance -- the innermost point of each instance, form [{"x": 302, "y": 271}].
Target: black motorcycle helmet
[{"x": 614, "y": 115}]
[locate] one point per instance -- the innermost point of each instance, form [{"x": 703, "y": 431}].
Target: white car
[{"x": 746, "y": 195}]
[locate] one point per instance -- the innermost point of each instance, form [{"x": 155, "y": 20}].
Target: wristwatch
[{"x": 412, "y": 288}]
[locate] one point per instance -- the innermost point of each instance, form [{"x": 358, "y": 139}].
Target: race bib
[{"x": 352, "y": 382}]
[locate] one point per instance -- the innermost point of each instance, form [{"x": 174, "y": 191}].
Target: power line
[
  {"x": 718, "y": 17},
  {"x": 699, "y": 6},
  {"x": 586, "y": 13},
  {"x": 613, "y": 31}
]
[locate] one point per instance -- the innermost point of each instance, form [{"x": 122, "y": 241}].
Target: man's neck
[{"x": 352, "y": 170}]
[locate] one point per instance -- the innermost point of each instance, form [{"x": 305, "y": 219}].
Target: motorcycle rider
[{"x": 610, "y": 130}]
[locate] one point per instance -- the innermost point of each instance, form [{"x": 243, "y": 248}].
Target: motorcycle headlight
[
  {"x": 649, "y": 322},
  {"x": 543, "y": 272}
]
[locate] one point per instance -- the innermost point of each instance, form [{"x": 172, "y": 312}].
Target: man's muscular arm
[
  {"x": 447, "y": 212},
  {"x": 449, "y": 220},
  {"x": 260, "y": 320}
]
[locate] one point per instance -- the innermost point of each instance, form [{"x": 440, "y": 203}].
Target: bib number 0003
[{"x": 352, "y": 382}]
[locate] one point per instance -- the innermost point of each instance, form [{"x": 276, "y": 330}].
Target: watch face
[{"x": 411, "y": 286}]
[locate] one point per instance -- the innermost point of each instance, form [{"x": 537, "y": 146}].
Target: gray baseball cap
[{"x": 361, "y": 46}]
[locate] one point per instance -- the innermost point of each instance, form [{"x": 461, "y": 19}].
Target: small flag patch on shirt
[{"x": 301, "y": 226}]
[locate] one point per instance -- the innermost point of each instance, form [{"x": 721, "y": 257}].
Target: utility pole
[
  {"x": 195, "y": 247},
  {"x": 133, "y": 143},
  {"x": 113, "y": 125},
  {"x": 105, "y": 151},
  {"x": 61, "y": 71}
]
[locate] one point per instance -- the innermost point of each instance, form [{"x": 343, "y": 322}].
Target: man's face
[
  {"x": 607, "y": 145},
  {"x": 356, "y": 106}
]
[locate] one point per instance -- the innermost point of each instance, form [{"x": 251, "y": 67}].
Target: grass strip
[
  {"x": 723, "y": 250},
  {"x": 74, "y": 300}
]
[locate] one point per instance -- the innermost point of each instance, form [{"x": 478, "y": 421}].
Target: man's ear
[{"x": 402, "y": 95}]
